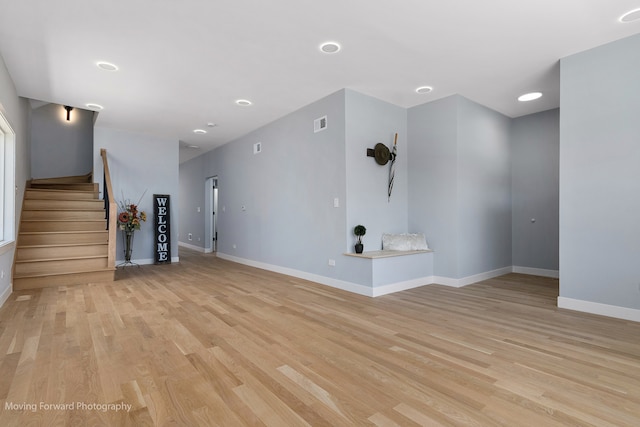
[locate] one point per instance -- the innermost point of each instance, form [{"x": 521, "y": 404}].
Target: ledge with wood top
[
  {"x": 386, "y": 253},
  {"x": 390, "y": 271}
]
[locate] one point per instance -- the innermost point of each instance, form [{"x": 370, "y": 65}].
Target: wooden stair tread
[
  {"x": 66, "y": 273},
  {"x": 86, "y": 191},
  {"x": 18, "y": 261},
  {"x": 64, "y": 220},
  {"x": 90, "y": 201},
  {"x": 59, "y": 245},
  {"x": 58, "y": 190},
  {"x": 61, "y": 191},
  {"x": 86, "y": 186},
  {"x": 64, "y": 179},
  {"x": 70, "y": 279},
  {"x": 63, "y": 232},
  {"x": 62, "y": 210}
]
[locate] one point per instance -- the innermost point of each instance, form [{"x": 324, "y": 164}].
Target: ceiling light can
[
  {"x": 529, "y": 96},
  {"x": 632, "y": 15},
  {"x": 243, "y": 102},
  {"x": 424, "y": 89},
  {"x": 107, "y": 66},
  {"x": 94, "y": 107},
  {"x": 330, "y": 47},
  {"x": 199, "y": 131}
]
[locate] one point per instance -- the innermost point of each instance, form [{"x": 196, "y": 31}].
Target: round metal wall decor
[{"x": 381, "y": 153}]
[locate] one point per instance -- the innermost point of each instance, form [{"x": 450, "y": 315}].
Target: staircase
[{"x": 63, "y": 238}]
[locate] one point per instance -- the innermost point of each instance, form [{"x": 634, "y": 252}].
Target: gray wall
[
  {"x": 433, "y": 177},
  {"x": 60, "y": 147},
  {"x": 600, "y": 175},
  {"x": 192, "y": 197},
  {"x": 287, "y": 191},
  {"x": 369, "y": 121},
  {"x": 138, "y": 163},
  {"x": 535, "y": 148},
  {"x": 453, "y": 183},
  {"x": 484, "y": 189},
  {"x": 460, "y": 185},
  {"x": 16, "y": 111}
]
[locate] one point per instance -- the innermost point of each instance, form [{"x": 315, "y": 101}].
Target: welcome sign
[{"x": 161, "y": 211}]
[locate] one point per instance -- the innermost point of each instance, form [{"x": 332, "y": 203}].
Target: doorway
[{"x": 211, "y": 223}]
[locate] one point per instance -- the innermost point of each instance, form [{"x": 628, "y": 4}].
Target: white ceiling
[{"x": 183, "y": 63}]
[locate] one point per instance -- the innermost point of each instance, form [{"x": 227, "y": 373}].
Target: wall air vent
[{"x": 320, "y": 124}]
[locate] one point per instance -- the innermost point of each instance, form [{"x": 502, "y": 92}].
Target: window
[{"x": 7, "y": 182}]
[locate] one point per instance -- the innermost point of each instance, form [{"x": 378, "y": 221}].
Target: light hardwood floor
[{"x": 209, "y": 342}]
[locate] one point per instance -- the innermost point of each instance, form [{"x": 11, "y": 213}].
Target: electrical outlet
[
  {"x": 332, "y": 262},
  {"x": 190, "y": 236},
  {"x": 198, "y": 209}
]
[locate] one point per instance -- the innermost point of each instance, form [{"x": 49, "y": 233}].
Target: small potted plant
[{"x": 359, "y": 230}]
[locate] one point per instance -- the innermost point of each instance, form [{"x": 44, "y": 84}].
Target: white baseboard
[
  {"x": 567, "y": 303},
  {"x": 146, "y": 261},
  {"x": 367, "y": 290},
  {"x": 599, "y": 308},
  {"x": 458, "y": 283},
  {"x": 6, "y": 294},
  {"x": 193, "y": 247},
  {"x": 555, "y": 274},
  {"x": 334, "y": 283},
  {"x": 447, "y": 281},
  {"x": 401, "y": 286},
  {"x": 385, "y": 289}
]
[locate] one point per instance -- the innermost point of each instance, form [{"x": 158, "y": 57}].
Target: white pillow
[{"x": 404, "y": 242}]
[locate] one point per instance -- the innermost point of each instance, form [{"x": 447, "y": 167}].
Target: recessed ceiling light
[
  {"x": 194, "y": 147},
  {"x": 529, "y": 96},
  {"x": 424, "y": 89},
  {"x": 107, "y": 66},
  {"x": 243, "y": 102},
  {"x": 330, "y": 47},
  {"x": 199, "y": 131},
  {"x": 95, "y": 107},
  {"x": 211, "y": 125},
  {"x": 630, "y": 16}
]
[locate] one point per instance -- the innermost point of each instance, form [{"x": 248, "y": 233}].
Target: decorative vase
[
  {"x": 359, "y": 248},
  {"x": 127, "y": 238}
]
